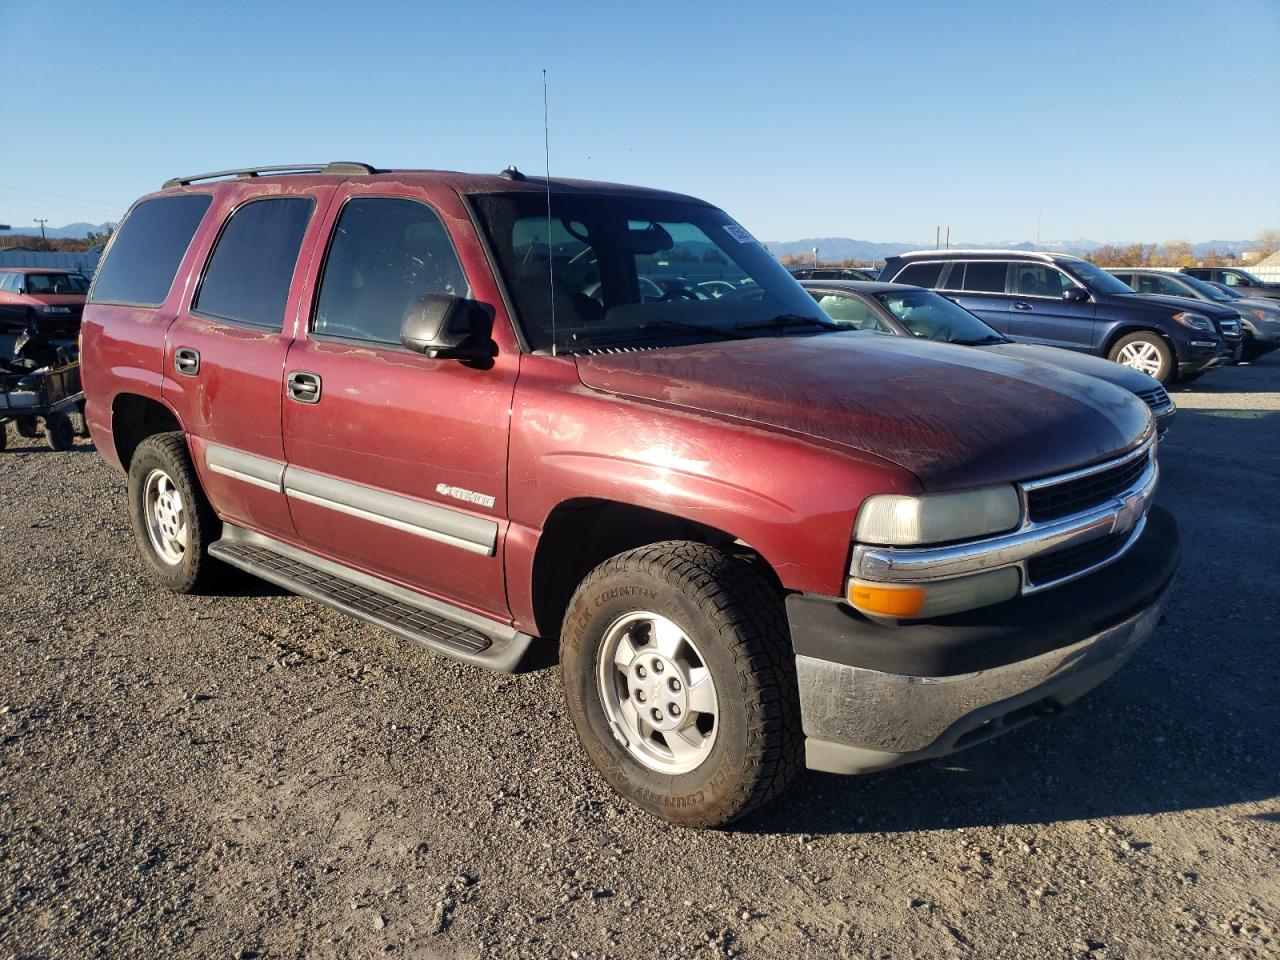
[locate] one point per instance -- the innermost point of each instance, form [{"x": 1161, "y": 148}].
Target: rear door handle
[
  {"x": 186, "y": 361},
  {"x": 1021, "y": 305},
  {"x": 304, "y": 387}
]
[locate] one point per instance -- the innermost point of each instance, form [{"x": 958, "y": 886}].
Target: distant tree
[
  {"x": 1177, "y": 253},
  {"x": 713, "y": 256},
  {"x": 1267, "y": 243}
]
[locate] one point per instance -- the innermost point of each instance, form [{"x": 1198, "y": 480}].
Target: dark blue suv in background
[{"x": 1064, "y": 301}]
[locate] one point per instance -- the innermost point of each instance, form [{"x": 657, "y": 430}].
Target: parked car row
[
  {"x": 1259, "y": 317},
  {"x": 465, "y": 408},
  {"x": 1065, "y": 301}
]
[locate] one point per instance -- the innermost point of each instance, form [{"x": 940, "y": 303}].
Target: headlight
[
  {"x": 896, "y": 520},
  {"x": 914, "y": 601},
  {"x": 1264, "y": 315},
  {"x": 57, "y": 309},
  {"x": 1196, "y": 321}
]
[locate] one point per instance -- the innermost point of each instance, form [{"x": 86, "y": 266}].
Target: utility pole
[
  {"x": 937, "y": 237},
  {"x": 815, "y": 256},
  {"x": 948, "y": 236},
  {"x": 43, "y": 241},
  {"x": 1038, "y": 209}
]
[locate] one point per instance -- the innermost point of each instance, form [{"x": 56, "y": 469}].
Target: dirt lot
[{"x": 252, "y": 775}]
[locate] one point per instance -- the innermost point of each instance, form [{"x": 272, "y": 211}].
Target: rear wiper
[{"x": 784, "y": 320}]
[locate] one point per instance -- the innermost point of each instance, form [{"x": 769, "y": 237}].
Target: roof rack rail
[{"x": 344, "y": 167}]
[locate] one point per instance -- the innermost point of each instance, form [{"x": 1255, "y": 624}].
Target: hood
[
  {"x": 1176, "y": 304},
  {"x": 954, "y": 416},
  {"x": 1127, "y": 378},
  {"x": 1256, "y": 303},
  {"x": 58, "y": 299}
]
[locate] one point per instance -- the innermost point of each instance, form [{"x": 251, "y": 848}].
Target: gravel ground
[{"x": 253, "y": 775}]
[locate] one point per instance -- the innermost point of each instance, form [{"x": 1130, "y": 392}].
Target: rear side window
[
  {"x": 921, "y": 274},
  {"x": 147, "y": 250},
  {"x": 984, "y": 276},
  {"x": 385, "y": 254},
  {"x": 249, "y": 273}
]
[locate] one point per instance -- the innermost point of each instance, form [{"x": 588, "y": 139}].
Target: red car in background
[{"x": 53, "y": 299}]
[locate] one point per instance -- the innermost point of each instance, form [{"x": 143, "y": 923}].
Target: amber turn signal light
[{"x": 886, "y": 601}]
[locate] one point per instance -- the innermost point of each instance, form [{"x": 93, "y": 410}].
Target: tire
[
  {"x": 161, "y": 467},
  {"x": 1145, "y": 351},
  {"x": 58, "y": 432},
  {"x": 26, "y": 427},
  {"x": 733, "y": 632}
]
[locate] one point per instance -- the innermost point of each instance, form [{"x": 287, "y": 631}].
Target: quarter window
[
  {"x": 920, "y": 274},
  {"x": 249, "y": 273},
  {"x": 147, "y": 250},
  {"x": 385, "y": 254}
]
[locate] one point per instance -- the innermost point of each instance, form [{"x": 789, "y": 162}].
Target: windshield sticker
[{"x": 739, "y": 233}]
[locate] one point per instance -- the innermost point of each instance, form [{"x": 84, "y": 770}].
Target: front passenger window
[
  {"x": 849, "y": 312},
  {"x": 386, "y": 252}
]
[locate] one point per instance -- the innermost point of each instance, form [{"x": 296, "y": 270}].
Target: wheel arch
[
  {"x": 134, "y": 417},
  {"x": 581, "y": 533}
]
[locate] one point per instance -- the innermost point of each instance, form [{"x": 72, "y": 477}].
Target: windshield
[
  {"x": 1204, "y": 287},
  {"x": 1094, "y": 278},
  {"x": 1226, "y": 291},
  {"x": 56, "y": 283},
  {"x": 934, "y": 317},
  {"x": 637, "y": 270}
]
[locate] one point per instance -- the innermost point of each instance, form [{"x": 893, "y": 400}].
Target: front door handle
[
  {"x": 1021, "y": 305},
  {"x": 186, "y": 361},
  {"x": 304, "y": 387}
]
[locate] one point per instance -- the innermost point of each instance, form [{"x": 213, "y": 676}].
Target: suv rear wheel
[
  {"x": 1145, "y": 351},
  {"x": 173, "y": 523},
  {"x": 680, "y": 682}
]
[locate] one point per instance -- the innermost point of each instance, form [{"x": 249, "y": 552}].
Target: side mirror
[
  {"x": 445, "y": 327},
  {"x": 1075, "y": 295}
]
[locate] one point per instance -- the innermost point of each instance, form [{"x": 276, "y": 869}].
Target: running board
[{"x": 438, "y": 626}]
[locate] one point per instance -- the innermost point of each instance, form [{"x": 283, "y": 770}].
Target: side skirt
[{"x": 440, "y": 627}]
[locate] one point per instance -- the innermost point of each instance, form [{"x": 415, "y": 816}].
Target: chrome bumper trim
[{"x": 1126, "y": 512}]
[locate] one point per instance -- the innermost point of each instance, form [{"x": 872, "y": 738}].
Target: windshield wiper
[
  {"x": 979, "y": 341},
  {"x": 727, "y": 334},
  {"x": 785, "y": 320},
  {"x": 636, "y": 334}
]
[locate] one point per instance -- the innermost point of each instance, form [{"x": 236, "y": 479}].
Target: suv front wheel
[
  {"x": 680, "y": 681},
  {"x": 1144, "y": 351}
]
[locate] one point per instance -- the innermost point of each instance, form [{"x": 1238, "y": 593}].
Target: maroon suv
[{"x": 488, "y": 412}]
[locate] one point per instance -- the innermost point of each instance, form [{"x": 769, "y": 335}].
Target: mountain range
[{"x": 831, "y": 249}]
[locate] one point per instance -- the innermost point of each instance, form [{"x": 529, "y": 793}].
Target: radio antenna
[{"x": 551, "y": 267}]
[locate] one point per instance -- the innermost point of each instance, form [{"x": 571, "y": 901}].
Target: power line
[{"x": 63, "y": 196}]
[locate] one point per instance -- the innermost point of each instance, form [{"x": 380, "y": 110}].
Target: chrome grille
[
  {"x": 1050, "y": 501},
  {"x": 1230, "y": 329},
  {"x": 1050, "y": 567},
  {"x": 1155, "y": 398}
]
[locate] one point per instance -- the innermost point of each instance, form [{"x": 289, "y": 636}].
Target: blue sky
[{"x": 871, "y": 120}]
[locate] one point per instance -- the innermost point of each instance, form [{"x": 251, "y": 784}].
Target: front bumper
[{"x": 874, "y": 695}]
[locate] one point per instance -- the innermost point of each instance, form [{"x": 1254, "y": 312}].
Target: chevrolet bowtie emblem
[{"x": 1128, "y": 513}]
